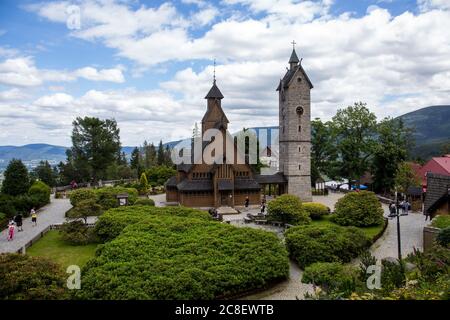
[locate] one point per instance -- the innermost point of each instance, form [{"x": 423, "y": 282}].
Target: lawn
[
  {"x": 371, "y": 232},
  {"x": 51, "y": 246}
]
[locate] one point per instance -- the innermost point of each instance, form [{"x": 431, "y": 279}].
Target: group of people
[
  {"x": 17, "y": 222},
  {"x": 403, "y": 206},
  {"x": 263, "y": 204}
]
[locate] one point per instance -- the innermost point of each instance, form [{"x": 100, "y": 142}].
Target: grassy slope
[
  {"x": 52, "y": 247},
  {"x": 370, "y": 231}
]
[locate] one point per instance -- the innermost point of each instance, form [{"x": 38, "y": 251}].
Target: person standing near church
[{"x": 247, "y": 202}]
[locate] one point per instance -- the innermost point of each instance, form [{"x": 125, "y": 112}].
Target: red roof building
[{"x": 437, "y": 165}]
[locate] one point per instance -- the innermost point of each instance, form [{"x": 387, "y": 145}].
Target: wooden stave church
[{"x": 226, "y": 185}]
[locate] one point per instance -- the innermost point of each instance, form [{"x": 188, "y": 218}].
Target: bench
[
  {"x": 247, "y": 220},
  {"x": 277, "y": 223},
  {"x": 260, "y": 221}
]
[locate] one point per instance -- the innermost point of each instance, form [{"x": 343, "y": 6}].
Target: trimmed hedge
[
  {"x": 172, "y": 257},
  {"x": 40, "y": 193},
  {"x": 24, "y": 278},
  {"x": 441, "y": 222},
  {"x": 112, "y": 222},
  {"x": 332, "y": 276},
  {"x": 77, "y": 233},
  {"x": 359, "y": 209},
  {"x": 288, "y": 209},
  {"x": 310, "y": 244},
  {"x": 106, "y": 197},
  {"x": 78, "y": 195},
  {"x": 316, "y": 210},
  {"x": 144, "y": 202},
  {"x": 443, "y": 237}
]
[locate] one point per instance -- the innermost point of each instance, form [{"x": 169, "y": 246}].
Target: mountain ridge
[{"x": 431, "y": 124}]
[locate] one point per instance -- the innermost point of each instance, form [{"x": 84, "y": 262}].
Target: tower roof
[
  {"x": 294, "y": 58},
  {"x": 214, "y": 92}
]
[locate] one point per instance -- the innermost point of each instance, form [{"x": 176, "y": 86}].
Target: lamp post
[{"x": 399, "y": 243}]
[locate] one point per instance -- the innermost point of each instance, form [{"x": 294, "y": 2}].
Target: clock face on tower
[{"x": 299, "y": 110}]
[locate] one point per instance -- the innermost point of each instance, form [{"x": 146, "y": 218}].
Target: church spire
[
  {"x": 294, "y": 60},
  {"x": 214, "y": 92}
]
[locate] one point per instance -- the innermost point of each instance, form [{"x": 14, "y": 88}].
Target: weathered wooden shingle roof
[
  {"x": 246, "y": 184},
  {"x": 271, "y": 179},
  {"x": 195, "y": 185},
  {"x": 437, "y": 190},
  {"x": 214, "y": 92}
]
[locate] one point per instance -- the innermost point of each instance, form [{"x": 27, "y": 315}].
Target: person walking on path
[
  {"x": 247, "y": 201},
  {"x": 11, "y": 229},
  {"x": 33, "y": 217},
  {"x": 18, "y": 219},
  {"x": 406, "y": 207}
]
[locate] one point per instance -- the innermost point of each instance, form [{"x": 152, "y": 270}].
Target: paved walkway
[{"x": 52, "y": 213}]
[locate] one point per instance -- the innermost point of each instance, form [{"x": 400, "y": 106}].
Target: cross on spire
[
  {"x": 293, "y": 44},
  {"x": 214, "y": 76}
]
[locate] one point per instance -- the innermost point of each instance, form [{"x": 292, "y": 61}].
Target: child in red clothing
[{"x": 11, "y": 230}]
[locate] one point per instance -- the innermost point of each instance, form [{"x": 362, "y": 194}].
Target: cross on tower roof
[
  {"x": 293, "y": 44},
  {"x": 214, "y": 76}
]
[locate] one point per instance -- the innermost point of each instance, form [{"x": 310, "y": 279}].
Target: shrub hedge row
[
  {"x": 106, "y": 197},
  {"x": 288, "y": 209},
  {"x": 112, "y": 222},
  {"x": 359, "y": 209},
  {"x": 316, "y": 210},
  {"x": 310, "y": 244},
  {"x": 180, "y": 257}
]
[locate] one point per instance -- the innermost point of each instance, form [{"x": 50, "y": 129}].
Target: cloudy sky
[{"x": 149, "y": 64}]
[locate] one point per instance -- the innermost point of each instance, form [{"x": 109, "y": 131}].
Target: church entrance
[{"x": 226, "y": 198}]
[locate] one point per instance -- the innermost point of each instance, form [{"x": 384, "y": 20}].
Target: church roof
[
  {"x": 271, "y": 179},
  {"x": 214, "y": 92},
  {"x": 294, "y": 58},
  {"x": 290, "y": 74},
  {"x": 195, "y": 185}
]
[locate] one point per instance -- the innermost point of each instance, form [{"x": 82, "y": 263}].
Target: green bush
[
  {"x": 77, "y": 233},
  {"x": 40, "y": 193},
  {"x": 79, "y": 195},
  {"x": 7, "y": 205},
  {"x": 432, "y": 263},
  {"x": 24, "y": 278},
  {"x": 331, "y": 277},
  {"x": 288, "y": 209},
  {"x": 24, "y": 203},
  {"x": 316, "y": 210},
  {"x": 85, "y": 209},
  {"x": 107, "y": 197},
  {"x": 172, "y": 257},
  {"x": 310, "y": 244},
  {"x": 392, "y": 274},
  {"x": 443, "y": 237},
  {"x": 112, "y": 222},
  {"x": 145, "y": 202},
  {"x": 3, "y": 220},
  {"x": 441, "y": 222},
  {"x": 359, "y": 209}
]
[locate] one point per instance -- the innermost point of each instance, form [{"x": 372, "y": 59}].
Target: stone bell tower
[{"x": 295, "y": 128}]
